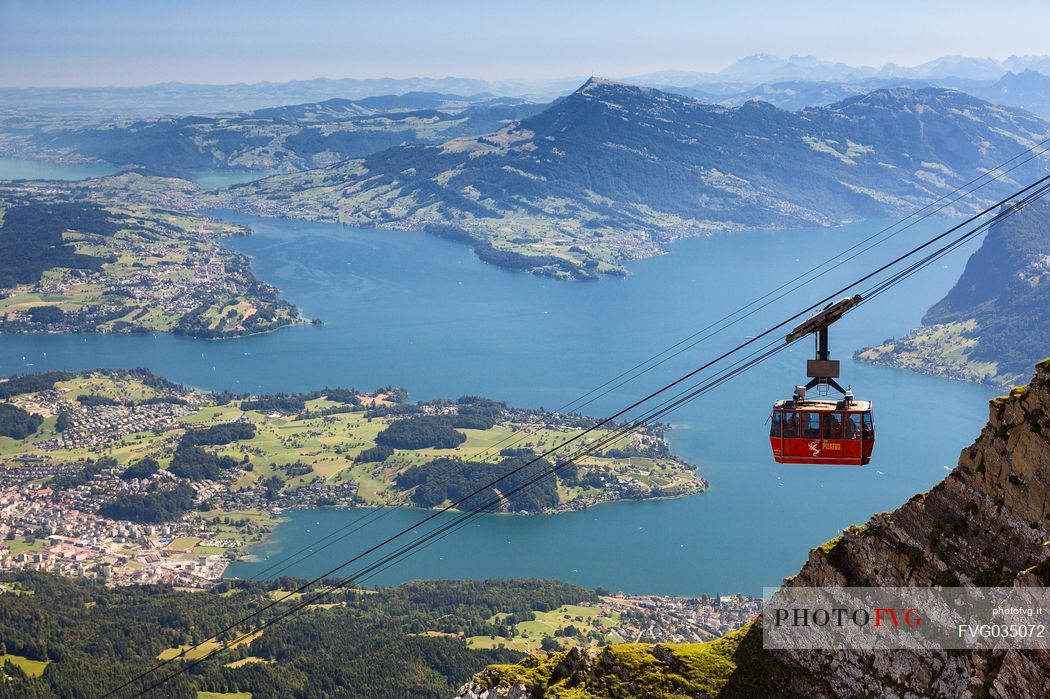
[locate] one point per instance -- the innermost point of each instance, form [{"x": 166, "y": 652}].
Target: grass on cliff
[
  {"x": 660, "y": 672},
  {"x": 527, "y": 635}
]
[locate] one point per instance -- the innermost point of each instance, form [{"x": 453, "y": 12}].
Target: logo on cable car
[{"x": 814, "y": 447}]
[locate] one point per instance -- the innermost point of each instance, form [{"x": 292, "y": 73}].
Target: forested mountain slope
[
  {"x": 62, "y": 637},
  {"x": 996, "y": 319}
]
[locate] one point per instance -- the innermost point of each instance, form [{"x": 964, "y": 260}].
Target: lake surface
[
  {"x": 409, "y": 309},
  {"x": 216, "y": 179},
  {"x": 17, "y": 169}
]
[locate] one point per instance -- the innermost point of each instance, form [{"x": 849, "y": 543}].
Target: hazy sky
[{"x": 120, "y": 42}]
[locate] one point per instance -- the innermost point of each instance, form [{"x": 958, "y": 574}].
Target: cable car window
[
  {"x": 774, "y": 429},
  {"x": 869, "y": 429},
  {"x": 832, "y": 426},
  {"x": 810, "y": 425},
  {"x": 853, "y": 426},
  {"x": 790, "y": 425}
]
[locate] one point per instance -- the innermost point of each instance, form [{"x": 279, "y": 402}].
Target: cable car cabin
[{"x": 822, "y": 431}]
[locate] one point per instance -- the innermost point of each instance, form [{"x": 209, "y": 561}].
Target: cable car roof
[{"x": 829, "y": 404}]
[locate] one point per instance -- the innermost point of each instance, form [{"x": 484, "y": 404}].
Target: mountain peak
[{"x": 595, "y": 82}]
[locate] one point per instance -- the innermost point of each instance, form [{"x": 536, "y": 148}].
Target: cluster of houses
[
  {"x": 101, "y": 425},
  {"x": 175, "y": 285},
  {"x": 653, "y": 618},
  {"x": 56, "y": 530},
  {"x": 45, "y": 530},
  {"x": 340, "y": 494},
  {"x": 175, "y": 288}
]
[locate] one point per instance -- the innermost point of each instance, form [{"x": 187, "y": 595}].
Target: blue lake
[
  {"x": 216, "y": 179},
  {"x": 412, "y": 310},
  {"x": 18, "y": 169}
]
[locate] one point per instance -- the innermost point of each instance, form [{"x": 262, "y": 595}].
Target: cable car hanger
[
  {"x": 822, "y": 430},
  {"x": 823, "y": 369}
]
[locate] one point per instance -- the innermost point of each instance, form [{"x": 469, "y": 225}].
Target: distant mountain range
[
  {"x": 1029, "y": 90},
  {"x": 284, "y": 139},
  {"x": 1026, "y": 90},
  {"x": 613, "y": 172},
  {"x": 995, "y": 322},
  {"x": 765, "y": 68},
  {"x": 172, "y": 99},
  {"x": 316, "y": 134},
  {"x": 168, "y": 99}
]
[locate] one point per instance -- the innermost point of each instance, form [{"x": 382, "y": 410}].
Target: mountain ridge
[
  {"x": 284, "y": 138},
  {"x": 174, "y": 97},
  {"x": 615, "y": 172},
  {"x": 1026, "y": 90}
]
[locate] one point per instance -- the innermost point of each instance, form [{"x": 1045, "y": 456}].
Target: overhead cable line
[
  {"x": 677, "y": 402},
  {"x": 357, "y": 524}
]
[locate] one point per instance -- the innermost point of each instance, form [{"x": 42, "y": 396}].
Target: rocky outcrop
[
  {"x": 627, "y": 670},
  {"x": 986, "y": 524},
  {"x": 515, "y": 691}
]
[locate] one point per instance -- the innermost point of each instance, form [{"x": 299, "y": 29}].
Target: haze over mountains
[
  {"x": 1028, "y": 89},
  {"x": 764, "y": 67},
  {"x": 743, "y": 75},
  {"x": 282, "y": 138},
  {"x": 613, "y": 171},
  {"x": 315, "y": 134}
]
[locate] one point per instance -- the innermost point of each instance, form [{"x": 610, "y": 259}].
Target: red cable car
[{"x": 833, "y": 431}]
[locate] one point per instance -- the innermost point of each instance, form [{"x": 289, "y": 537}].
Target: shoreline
[
  {"x": 111, "y": 333},
  {"x": 471, "y": 238},
  {"x": 924, "y": 370},
  {"x": 555, "y": 513}
]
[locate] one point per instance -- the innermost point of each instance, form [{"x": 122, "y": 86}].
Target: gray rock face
[{"x": 472, "y": 691}]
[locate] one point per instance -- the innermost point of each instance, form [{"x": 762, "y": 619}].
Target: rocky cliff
[{"x": 986, "y": 524}]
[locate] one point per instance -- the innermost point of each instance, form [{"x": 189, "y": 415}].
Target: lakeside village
[
  {"x": 54, "y": 529},
  {"x": 54, "y": 499},
  {"x": 162, "y": 291},
  {"x": 660, "y": 619},
  {"x": 128, "y": 268}
]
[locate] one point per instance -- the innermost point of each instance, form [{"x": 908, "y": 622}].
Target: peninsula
[
  {"x": 74, "y": 258},
  {"x": 126, "y": 475}
]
